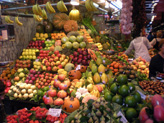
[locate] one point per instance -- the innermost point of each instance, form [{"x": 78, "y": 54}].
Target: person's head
[
  {"x": 159, "y": 34},
  {"x": 2, "y": 90},
  {"x": 161, "y": 45}
]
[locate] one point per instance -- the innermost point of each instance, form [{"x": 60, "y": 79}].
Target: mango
[
  {"x": 96, "y": 78},
  {"x": 101, "y": 68},
  {"x": 94, "y": 69},
  {"x": 104, "y": 78},
  {"x": 99, "y": 61}
]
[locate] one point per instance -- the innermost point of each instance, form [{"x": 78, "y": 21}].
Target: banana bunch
[
  {"x": 49, "y": 8},
  {"x": 37, "y": 10},
  {"x": 89, "y": 5},
  {"x": 61, "y": 6},
  {"x": 44, "y": 14},
  {"x": 95, "y": 92},
  {"x": 18, "y": 22},
  {"x": 99, "y": 45},
  {"x": 37, "y": 18},
  {"x": 8, "y": 20},
  {"x": 90, "y": 80},
  {"x": 62, "y": 71}
]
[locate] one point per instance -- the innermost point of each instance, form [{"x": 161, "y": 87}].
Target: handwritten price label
[
  {"x": 123, "y": 119},
  {"x": 93, "y": 55},
  {"x": 142, "y": 95},
  {"x": 54, "y": 112}
]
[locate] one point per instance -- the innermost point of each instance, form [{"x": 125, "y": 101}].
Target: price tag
[
  {"x": 93, "y": 55},
  {"x": 78, "y": 67},
  {"x": 54, "y": 112},
  {"x": 123, "y": 119},
  {"x": 142, "y": 95},
  {"x": 37, "y": 60},
  {"x": 4, "y": 35}
]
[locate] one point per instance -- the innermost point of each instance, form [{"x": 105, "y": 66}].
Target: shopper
[
  {"x": 151, "y": 36},
  {"x": 2, "y": 110},
  {"x": 157, "y": 62},
  {"x": 140, "y": 45},
  {"x": 155, "y": 41}
]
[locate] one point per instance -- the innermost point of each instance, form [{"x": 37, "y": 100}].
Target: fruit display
[
  {"x": 37, "y": 65},
  {"x": 124, "y": 93},
  {"x": 7, "y": 73},
  {"x": 57, "y": 36},
  {"x": 99, "y": 45},
  {"x": 8, "y": 85},
  {"x": 23, "y": 64},
  {"x": 153, "y": 111},
  {"x": 35, "y": 44},
  {"x": 8, "y": 20},
  {"x": 98, "y": 111},
  {"x": 20, "y": 75},
  {"x": 44, "y": 79},
  {"x": 22, "y": 91},
  {"x": 61, "y": 6},
  {"x": 43, "y": 54},
  {"x": 29, "y": 54},
  {"x": 74, "y": 14},
  {"x": 54, "y": 62},
  {"x": 32, "y": 76},
  {"x": 81, "y": 56},
  {"x": 73, "y": 42},
  {"x": 48, "y": 44},
  {"x": 49, "y": 8},
  {"x": 40, "y": 36},
  {"x": 152, "y": 87},
  {"x": 141, "y": 66}
]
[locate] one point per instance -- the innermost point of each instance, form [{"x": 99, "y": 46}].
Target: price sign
[
  {"x": 142, "y": 95},
  {"x": 78, "y": 67},
  {"x": 37, "y": 60},
  {"x": 123, "y": 119},
  {"x": 93, "y": 55},
  {"x": 54, "y": 112}
]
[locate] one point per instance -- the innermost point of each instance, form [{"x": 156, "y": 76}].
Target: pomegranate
[
  {"x": 149, "y": 121},
  {"x": 62, "y": 94},
  {"x": 52, "y": 92},
  {"x": 157, "y": 100},
  {"x": 58, "y": 101},
  {"x": 159, "y": 113},
  {"x": 48, "y": 101}
]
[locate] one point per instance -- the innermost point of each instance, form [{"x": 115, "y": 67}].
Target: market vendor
[
  {"x": 140, "y": 45},
  {"x": 155, "y": 41},
  {"x": 157, "y": 62},
  {"x": 2, "y": 94}
]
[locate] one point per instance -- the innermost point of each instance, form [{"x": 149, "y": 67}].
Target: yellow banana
[
  {"x": 9, "y": 20},
  {"x": 34, "y": 9},
  {"x": 6, "y": 19},
  {"x": 44, "y": 14},
  {"x": 61, "y": 6},
  {"x": 90, "y": 80},
  {"x": 87, "y": 5},
  {"x": 47, "y": 8},
  {"x": 37, "y": 18},
  {"x": 18, "y": 22},
  {"x": 92, "y": 6},
  {"x": 50, "y": 7},
  {"x": 39, "y": 10}
]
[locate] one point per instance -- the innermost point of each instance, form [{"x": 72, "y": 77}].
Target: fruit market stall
[{"x": 70, "y": 73}]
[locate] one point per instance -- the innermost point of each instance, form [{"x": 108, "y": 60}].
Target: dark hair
[
  {"x": 2, "y": 86},
  {"x": 161, "y": 43}
]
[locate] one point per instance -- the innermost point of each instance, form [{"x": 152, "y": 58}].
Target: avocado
[
  {"x": 40, "y": 28},
  {"x": 49, "y": 28}
]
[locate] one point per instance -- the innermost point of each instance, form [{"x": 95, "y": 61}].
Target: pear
[
  {"x": 104, "y": 78},
  {"x": 90, "y": 120},
  {"x": 99, "y": 61},
  {"x": 94, "y": 69},
  {"x": 98, "y": 113},
  {"x": 91, "y": 63},
  {"x": 96, "y": 78},
  {"x": 101, "y": 68}
]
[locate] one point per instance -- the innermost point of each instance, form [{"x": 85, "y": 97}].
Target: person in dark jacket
[
  {"x": 2, "y": 110},
  {"x": 157, "y": 62}
]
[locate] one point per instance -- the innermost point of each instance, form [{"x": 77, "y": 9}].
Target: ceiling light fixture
[{"x": 74, "y": 2}]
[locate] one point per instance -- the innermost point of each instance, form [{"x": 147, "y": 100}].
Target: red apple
[
  {"x": 58, "y": 102},
  {"x": 75, "y": 59},
  {"x": 59, "y": 55},
  {"x": 56, "y": 52},
  {"x": 48, "y": 100},
  {"x": 56, "y": 83},
  {"x": 60, "y": 66},
  {"x": 61, "y": 94},
  {"x": 75, "y": 53},
  {"x": 80, "y": 56},
  {"x": 79, "y": 60},
  {"x": 52, "y": 92},
  {"x": 49, "y": 68},
  {"x": 61, "y": 77}
]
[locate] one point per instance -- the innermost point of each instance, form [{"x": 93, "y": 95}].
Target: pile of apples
[
  {"x": 81, "y": 56},
  {"x": 32, "y": 76},
  {"x": 43, "y": 54},
  {"x": 44, "y": 79},
  {"x": 7, "y": 84},
  {"x": 22, "y": 90},
  {"x": 23, "y": 64},
  {"x": 35, "y": 44},
  {"x": 29, "y": 54},
  {"x": 54, "y": 62},
  {"x": 140, "y": 65},
  {"x": 49, "y": 44}
]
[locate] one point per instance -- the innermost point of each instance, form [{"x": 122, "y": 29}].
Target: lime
[
  {"x": 137, "y": 97},
  {"x": 130, "y": 101},
  {"x": 110, "y": 82},
  {"x": 124, "y": 90},
  {"x": 114, "y": 88},
  {"x": 131, "y": 113},
  {"x": 108, "y": 96},
  {"x": 40, "y": 93},
  {"x": 122, "y": 79},
  {"x": 117, "y": 99},
  {"x": 131, "y": 86},
  {"x": 46, "y": 88}
]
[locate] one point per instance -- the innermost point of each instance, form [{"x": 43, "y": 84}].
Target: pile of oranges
[
  {"x": 57, "y": 36},
  {"x": 115, "y": 66},
  {"x": 6, "y": 74}
]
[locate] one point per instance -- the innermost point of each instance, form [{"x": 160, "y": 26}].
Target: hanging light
[{"x": 75, "y": 2}]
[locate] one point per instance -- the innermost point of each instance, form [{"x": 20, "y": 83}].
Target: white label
[
  {"x": 78, "y": 67},
  {"x": 57, "y": 122},
  {"x": 142, "y": 95},
  {"x": 123, "y": 119},
  {"x": 4, "y": 35},
  {"x": 54, "y": 112},
  {"x": 37, "y": 60}
]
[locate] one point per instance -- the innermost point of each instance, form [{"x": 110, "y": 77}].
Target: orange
[{"x": 115, "y": 70}]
